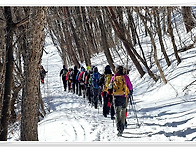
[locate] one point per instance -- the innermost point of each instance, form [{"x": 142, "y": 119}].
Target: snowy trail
[
  {"x": 162, "y": 117},
  {"x": 71, "y": 119}
]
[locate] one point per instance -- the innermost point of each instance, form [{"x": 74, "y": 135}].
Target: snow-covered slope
[{"x": 165, "y": 112}]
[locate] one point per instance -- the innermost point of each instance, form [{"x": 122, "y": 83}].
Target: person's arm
[
  {"x": 128, "y": 82},
  {"x": 61, "y": 72},
  {"x": 112, "y": 79},
  {"x": 45, "y": 71}
]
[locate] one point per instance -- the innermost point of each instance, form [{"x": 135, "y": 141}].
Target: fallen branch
[{"x": 189, "y": 85}]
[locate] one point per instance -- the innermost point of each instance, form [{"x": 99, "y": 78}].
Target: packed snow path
[
  {"x": 72, "y": 119},
  {"x": 164, "y": 112}
]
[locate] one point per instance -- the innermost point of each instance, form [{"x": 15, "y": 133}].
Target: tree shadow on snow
[
  {"x": 172, "y": 124},
  {"x": 180, "y": 133}
]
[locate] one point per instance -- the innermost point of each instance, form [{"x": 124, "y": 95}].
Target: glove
[{"x": 109, "y": 91}]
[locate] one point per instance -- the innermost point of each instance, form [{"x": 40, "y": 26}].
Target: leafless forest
[{"x": 79, "y": 33}]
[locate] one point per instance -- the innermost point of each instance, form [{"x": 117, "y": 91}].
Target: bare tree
[
  {"x": 104, "y": 40},
  {"x": 170, "y": 30},
  {"x": 2, "y": 60},
  {"x": 154, "y": 46},
  {"x": 8, "y": 74},
  {"x": 30, "y": 97},
  {"x": 189, "y": 22},
  {"x": 158, "y": 29},
  {"x": 126, "y": 43}
]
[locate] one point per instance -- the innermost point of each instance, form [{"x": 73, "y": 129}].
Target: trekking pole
[
  {"x": 134, "y": 109},
  {"x": 98, "y": 103},
  {"x": 114, "y": 108}
]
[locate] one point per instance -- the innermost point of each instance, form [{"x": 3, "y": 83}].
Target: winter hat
[
  {"x": 88, "y": 68},
  {"x": 119, "y": 69},
  {"x": 75, "y": 67},
  {"x": 82, "y": 68},
  {"x": 95, "y": 69},
  {"x": 108, "y": 69}
]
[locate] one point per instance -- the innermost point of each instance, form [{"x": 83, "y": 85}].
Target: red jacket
[{"x": 67, "y": 75}]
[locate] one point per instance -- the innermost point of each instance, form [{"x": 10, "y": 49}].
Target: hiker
[
  {"x": 90, "y": 96},
  {"x": 95, "y": 87},
  {"x": 121, "y": 86},
  {"x": 74, "y": 81},
  {"x": 87, "y": 85},
  {"x": 81, "y": 82},
  {"x": 78, "y": 84},
  {"x": 63, "y": 73},
  {"x": 107, "y": 97},
  {"x": 42, "y": 74},
  {"x": 69, "y": 79}
]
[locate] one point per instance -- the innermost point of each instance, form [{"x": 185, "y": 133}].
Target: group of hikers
[{"x": 112, "y": 91}]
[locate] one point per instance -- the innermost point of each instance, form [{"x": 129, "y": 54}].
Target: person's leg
[
  {"x": 80, "y": 89},
  {"x": 73, "y": 87},
  {"x": 118, "y": 118},
  {"x": 77, "y": 84},
  {"x": 88, "y": 94},
  {"x": 95, "y": 95},
  {"x": 112, "y": 111},
  {"x": 64, "y": 83},
  {"x": 105, "y": 104}
]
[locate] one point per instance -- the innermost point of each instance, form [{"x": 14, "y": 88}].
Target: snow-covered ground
[{"x": 166, "y": 113}]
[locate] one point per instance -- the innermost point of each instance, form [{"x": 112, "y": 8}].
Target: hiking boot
[
  {"x": 119, "y": 133},
  {"x": 112, "y": 118},
  {"x": 96, "y": 105},
  {"x": 105, "y": 115}
]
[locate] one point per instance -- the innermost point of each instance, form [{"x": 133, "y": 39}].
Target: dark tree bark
[
  {"x": 154, "y": 47},
  {"x": 158, "y": 28},
  {"x": 188, "y": 19},
  {"x": 8, "y": 74},
  {"x": 170, "y": 30},
  {"x": 68, "y": 36},
  {"x": 124, "y": 40},
  {"x": 104, "y": 41},
  {"x": 132, "y": 26},
  {"x": 32, "y": 60}
]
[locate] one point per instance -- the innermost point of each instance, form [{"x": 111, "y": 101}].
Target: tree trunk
[
  {"x": 170, "y": 30},
  {"x": 30, "y": 95},
  {"x": 2, "y": 69},
  {"x": 8, "y": 74},
  {"x": 88, "y": 35},
  {"x": 154, "y": 46},
  {"x": 124, "y": 40},
  {"x": 13, "y": 102},
  {"x": 158, "y": 28},
  {"x": 104, "y": 41},
  {"x": 132, "y": 26},
  {"x": 68, "y": 38},
  {"x": 188, "y": 19}
]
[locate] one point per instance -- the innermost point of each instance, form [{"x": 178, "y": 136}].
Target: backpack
[
  {"x": 64, "y": 73},
  {"x": 86, "y": 80},
  {"x": 70, "y": 75},
  {"x": 67, "y": 76},
  {"x": 119, "y": 86},
  {"x": 77, "y": 75},
  {"x": 95, "y": 80},
  {"x": 107, "y": 80},
  {"x": 80, "y": 77}
]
